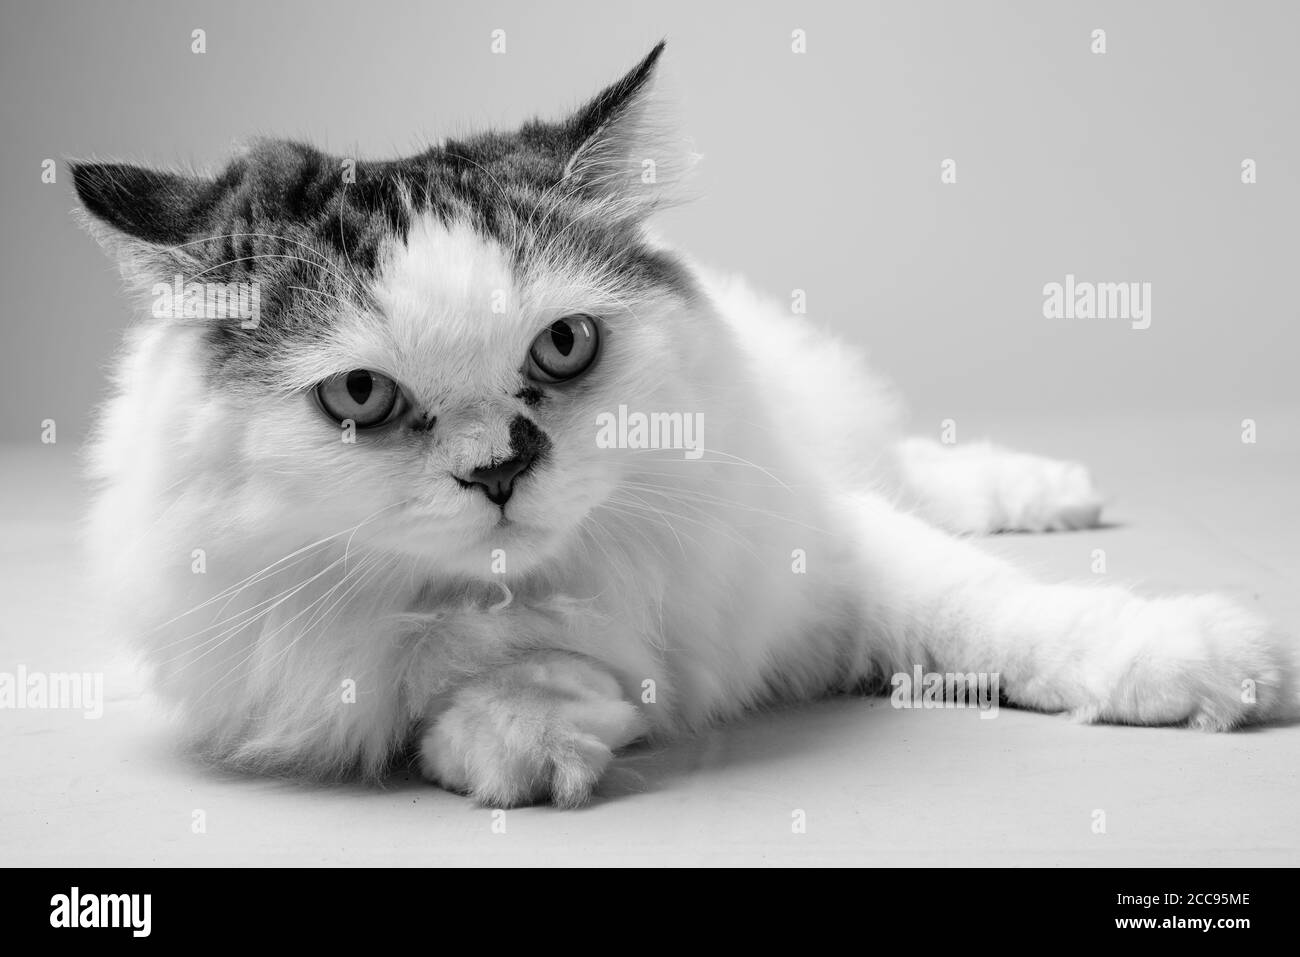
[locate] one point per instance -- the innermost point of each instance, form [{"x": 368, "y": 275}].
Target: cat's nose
[{"x": 497, "y": 479}]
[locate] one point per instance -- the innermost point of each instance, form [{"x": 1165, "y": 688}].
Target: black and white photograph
[{"x": 600, "y": 434}]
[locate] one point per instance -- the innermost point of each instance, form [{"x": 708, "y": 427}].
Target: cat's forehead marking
[
  {"x": 444, "y": 294},
  {"x": 441, "y": 269}
]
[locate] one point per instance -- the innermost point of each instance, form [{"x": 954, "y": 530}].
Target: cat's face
[
  {"x": 456, "y": 414},
  {"x": 433, "y": 337}
]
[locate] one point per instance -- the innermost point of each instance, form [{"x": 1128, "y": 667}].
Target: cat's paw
[
  {"x": 979, "y": 488},
  {"x": 1035, "y": 494},
  {"x": 529, "y": 733},
  {"x": 1201, "y": 661}
]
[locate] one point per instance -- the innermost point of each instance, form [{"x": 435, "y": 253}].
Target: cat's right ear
[
  {"x": 144, "y": 205},
  {"x": 148, "y": 219}
]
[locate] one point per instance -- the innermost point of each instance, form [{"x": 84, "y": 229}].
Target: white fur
[
  {"x": 627, "y": 571},
  {"x": 979, "y": 488}
]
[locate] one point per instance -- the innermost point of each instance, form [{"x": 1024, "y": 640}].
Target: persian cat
[{"x": 447, "y": 459}]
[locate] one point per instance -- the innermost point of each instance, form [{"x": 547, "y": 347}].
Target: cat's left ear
[{"x": 622, "y": 147}]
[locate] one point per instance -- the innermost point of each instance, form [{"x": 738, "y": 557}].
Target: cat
[{"x": 374, "y": 523}]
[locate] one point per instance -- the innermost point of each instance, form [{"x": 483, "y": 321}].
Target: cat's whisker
[
  {"x": 634, "y": 523},
  {"x": 710, "y": 478},
  {"x": 613, "y": 207},
  {"x": 589, "y": 526},
  {"x": 360, "y": 575},
  {"x": 707, "y": 518},
  {"x": 675, "y": 455},
  {"x": 248, "y": 616},
  {"x": 257, "y": 576},
  {"x": 321, "y": 292},
  {"x": 265, "y": 639},
  {"x": 685, "y": 494},
  {"x": 343, "y": 243},
  {"x": 350, "y": 532},
  {"x": 663, "y": 517},
  {"x": 255, "y": 256},
  {"x": 716, "y": 528},
  {"x": 325, "y": 260},
  {"x": 294, "y": 558},
  {"x": 568, "y": 186},
  {"x": 377, "y": 566},
  {"x": 509, "y": 204},
  {"x": 704, "y": 521}
]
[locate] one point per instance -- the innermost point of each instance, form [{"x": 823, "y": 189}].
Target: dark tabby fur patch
[{"x": 285, "y": 215}]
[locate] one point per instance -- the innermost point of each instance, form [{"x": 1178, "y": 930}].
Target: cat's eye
[
  {"x": 367, "y": 398},
  {"x": 566, "y": 349}
]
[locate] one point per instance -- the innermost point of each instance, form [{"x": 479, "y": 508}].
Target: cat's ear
[
  {"x": 622, "y": 145},
  {"x": 142, "y": 205},
  {"x": 149, "y": 219}
]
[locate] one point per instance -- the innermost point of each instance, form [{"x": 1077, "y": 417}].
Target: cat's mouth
[{"x": 509, "y": 528}]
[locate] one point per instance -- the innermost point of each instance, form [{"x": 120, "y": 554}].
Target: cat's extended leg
[
  {"x": 980, "y": 488},
  {"x": 1100, "y": 653},
  {"x": 543, "y": 727}
]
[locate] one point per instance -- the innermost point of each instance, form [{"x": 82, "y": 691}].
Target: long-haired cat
[{"x": 490, "y": 476}]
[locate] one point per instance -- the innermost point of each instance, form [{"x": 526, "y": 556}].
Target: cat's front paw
[
  {"x": 980, "y": 488},
  {"x": 1043, "y": 495},
  {"x": 1202, "y": 661},
  {"x": 532, "y": 732}
]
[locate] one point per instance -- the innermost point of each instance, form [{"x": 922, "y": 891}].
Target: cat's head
[{"x": 415, "y": 349}]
